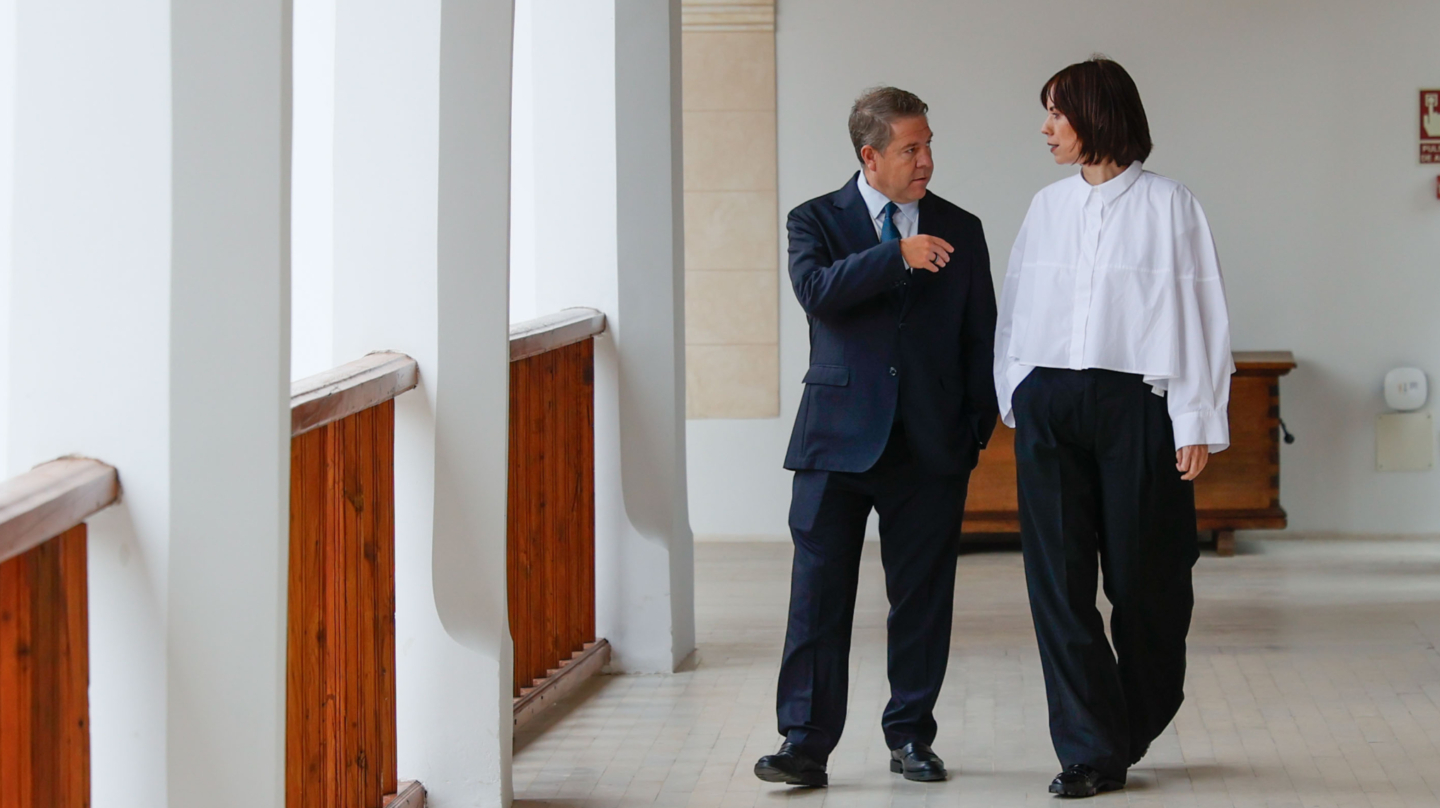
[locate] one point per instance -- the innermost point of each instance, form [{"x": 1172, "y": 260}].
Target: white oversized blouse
[{"x": 1121, "y": 276}]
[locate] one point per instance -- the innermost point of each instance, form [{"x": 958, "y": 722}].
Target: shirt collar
[
  {"x": 1113, "y": 188},
  {"x": 876, "y": 201}
]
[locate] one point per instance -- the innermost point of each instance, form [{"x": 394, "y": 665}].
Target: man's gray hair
[{"x": 875, "y": 110}]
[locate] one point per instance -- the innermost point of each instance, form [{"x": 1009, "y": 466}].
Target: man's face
[{"x": 903, "y": 170}]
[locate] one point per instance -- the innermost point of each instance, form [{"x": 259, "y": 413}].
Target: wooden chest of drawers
[{"x": 1239, "y": 490}]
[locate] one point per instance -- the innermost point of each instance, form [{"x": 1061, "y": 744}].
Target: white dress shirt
[
  {"x": 1121, "y": 276},
  {"x": 907, "y": 218}
]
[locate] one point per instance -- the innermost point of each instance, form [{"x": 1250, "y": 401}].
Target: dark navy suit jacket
[{"x": 883, "y": 339}]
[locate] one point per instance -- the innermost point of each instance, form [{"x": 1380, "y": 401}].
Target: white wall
[
  {"x": 523, "y": 242},
  {"x": 8, "y": 61},
  {"x": 1294, "y": 123},
  {"x": 312, "y": 238}
]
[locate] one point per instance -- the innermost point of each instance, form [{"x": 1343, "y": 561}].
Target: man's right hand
[{"x": 926, "y": 252}]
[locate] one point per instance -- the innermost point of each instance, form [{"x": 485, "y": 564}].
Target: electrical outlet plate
[
  {"x": 1405, "y": 389},
  {"x": 1405, "y": 441}
]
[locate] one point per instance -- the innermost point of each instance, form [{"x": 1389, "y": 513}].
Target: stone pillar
[{"x": 148, "y": 326}]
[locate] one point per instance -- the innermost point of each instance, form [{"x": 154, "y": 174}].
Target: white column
[
  {"x": 606, "y": 116},
  {"x": 100, "y": 387},
  {"x": 147, "y": 327},
  {"x": 229, "y": 402},
  {"x": 420, "y": 218},
  {"x": 606, "y": 124},
  {"x": 472, "y": 399},
  {"x": 651, "y": 257}
]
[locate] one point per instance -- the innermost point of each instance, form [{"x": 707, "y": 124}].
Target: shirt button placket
[{"x": 1085, "y": 278}]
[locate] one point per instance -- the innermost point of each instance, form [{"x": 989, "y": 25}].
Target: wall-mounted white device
[{"x": 1405, "y": 389}]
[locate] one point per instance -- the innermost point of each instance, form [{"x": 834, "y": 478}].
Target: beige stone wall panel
[
  {"x": 729, "y": 71},
  {"x": 732, "y": 308},
  {"x": 732, "y": 381},
  {"x": 731, "y": 224},
  {"x": 727, "y": 230},
  {"x": 730, "y": 151}
]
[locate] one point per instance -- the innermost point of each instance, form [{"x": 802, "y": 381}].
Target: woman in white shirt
[{"x": 1112, "y": 361}]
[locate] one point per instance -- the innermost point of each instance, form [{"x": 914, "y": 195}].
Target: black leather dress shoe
[
  {"x": 792, "y": 767},
  {"x": 916, "y": 761},
  {"x": 1079, "y": 780}
]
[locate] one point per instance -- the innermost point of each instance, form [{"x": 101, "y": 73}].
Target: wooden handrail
[
  {"x": 354, "y": 386},
  {"x": 553, "y": 331},
  {"x": 50, "y": 499},
  {"x": 1263, "y": 363}
]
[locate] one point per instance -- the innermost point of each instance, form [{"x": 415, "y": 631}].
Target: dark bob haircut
[{"x": 1103, "y": 106}]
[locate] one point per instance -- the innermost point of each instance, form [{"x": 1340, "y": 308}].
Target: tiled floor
[{"x": 1314, "y": 681}]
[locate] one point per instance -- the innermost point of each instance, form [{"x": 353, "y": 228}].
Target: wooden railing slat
[
  {"x": 15, "y": 684},
  {"x": 51, "y": 499},
  {"x": 383, "y": 440},
  {"x": 551, "y": 530},
  {"x": 44, "y": 676},
  {"x": 340, "y": 700}
]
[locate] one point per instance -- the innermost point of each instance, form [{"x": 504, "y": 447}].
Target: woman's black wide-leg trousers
[{"x": 1095, "y": 458}]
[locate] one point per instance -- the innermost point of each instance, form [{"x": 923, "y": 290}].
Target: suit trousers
[
  {"x": 920, "y": 517},
  {"x": 1095, "y": 460}
]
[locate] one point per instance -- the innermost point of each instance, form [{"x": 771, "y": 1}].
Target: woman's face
[{"x": 1059, "y": 136}]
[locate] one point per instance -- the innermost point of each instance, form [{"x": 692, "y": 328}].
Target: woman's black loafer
[{"x": 1079, "y": 780}]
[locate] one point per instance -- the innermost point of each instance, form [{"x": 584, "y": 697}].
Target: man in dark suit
[{"x": 899, "y": 399}]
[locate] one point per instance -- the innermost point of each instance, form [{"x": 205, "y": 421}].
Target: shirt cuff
[
  {"x": 1011, "y": 378},
  {"x": 1210, "y": 428}
]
